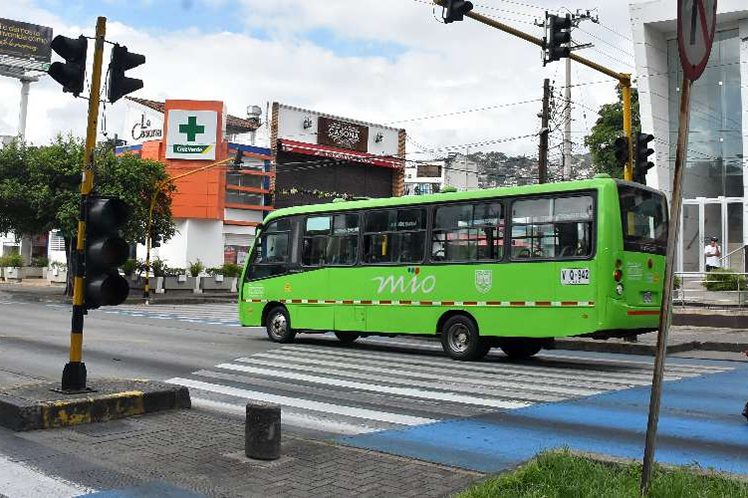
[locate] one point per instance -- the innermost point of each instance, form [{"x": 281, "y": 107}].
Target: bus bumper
[{"x": 621, "y": 316}]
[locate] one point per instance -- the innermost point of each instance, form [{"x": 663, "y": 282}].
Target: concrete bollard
[{"x": 262, "y": 431}]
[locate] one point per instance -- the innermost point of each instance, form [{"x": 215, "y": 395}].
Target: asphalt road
[{"x": 398, "y": 395}]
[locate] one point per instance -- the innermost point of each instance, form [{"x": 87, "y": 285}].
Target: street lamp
[{"x": 159, "y": 187}]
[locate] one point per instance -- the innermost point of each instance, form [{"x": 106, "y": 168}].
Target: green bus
[{"x": 511, "y": 267}]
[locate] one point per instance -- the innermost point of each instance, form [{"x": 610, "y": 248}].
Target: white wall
[{"x": 193, "y": 240}]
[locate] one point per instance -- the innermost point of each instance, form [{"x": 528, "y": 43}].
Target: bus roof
[{"x": 446, "y": 196}]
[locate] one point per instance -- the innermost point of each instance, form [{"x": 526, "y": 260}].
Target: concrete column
[
  {"x": 25, "y": 86},
  {"x": 25, "y": 249}
]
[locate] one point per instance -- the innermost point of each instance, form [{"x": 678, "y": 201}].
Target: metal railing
[{"x": 691, "y": 289}]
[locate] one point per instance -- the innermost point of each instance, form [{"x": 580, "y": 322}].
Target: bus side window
[
  {"x": 393, "y": 236},
  {"x": 270, "y": 256},
  {"x": 342, "y": 247},
  {"x": 558, "y": 228},
  {"x": 468, "y": 232},
  {"x": 316, "y": 237}
]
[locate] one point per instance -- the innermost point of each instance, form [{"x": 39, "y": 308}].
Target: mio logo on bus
[{"x": 412, "y": 284}]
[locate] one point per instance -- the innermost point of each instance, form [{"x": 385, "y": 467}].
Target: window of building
[
  {"x": 468, "y": 232},
  {"x": 395, "y": 236},
  {"x": 557, "y": 228},
  {"x": 239, "y": 197},
  {"x": 429, "y": 170},
  {"x": 241, "y": 180}
]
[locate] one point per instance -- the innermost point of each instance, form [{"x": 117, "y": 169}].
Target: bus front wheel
[
  {"x": 521, "y": 349},
  {"x": 460, "y": 339},
  {"x": 279, "y": 325}
]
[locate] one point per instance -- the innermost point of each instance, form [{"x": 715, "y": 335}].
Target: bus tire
[
  {"x": 521, "y": 350},
  {"x": 460, "y": 339},
  {"x": 279, "y": 325},
  {"x": 346, "y": 337}
]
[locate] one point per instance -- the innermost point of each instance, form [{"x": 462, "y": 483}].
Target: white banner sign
[
  {"x": 142, "y": 124},
  {"x": 191, "y": 135}
]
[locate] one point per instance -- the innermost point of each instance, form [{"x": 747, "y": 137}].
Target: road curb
[
  {"x": 29, "y": 407},
  {"x": 621, "y": 348}
]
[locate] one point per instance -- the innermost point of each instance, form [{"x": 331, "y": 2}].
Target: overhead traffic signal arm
[
  {"x": 72, "y": 73},
  {"x": 120, "y": 85}
]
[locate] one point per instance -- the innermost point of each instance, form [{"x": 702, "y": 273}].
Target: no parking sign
[{"x": 697, "y": 22}]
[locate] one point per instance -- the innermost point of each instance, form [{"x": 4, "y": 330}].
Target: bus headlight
[{"x": 619, "y": 289}]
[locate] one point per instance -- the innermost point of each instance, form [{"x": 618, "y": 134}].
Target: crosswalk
[
  {"x": 341, "y": 390},
  {"x": 224, "y": 314}
]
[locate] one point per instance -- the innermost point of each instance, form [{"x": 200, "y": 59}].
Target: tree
[
  {"x": 40, "y": 188},
  {"x": 607, "y": 128}
]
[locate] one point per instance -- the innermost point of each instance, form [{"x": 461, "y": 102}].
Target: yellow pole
[
  {"x": 628, "y": 171},
  {"x": 74, "y": 374}
]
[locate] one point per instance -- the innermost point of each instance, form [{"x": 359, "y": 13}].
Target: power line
[{"x": 464, "y": 111}]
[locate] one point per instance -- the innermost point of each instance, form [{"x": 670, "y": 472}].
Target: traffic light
[
  {"x": 120, "y": 85},
  {"x": 236, "y": 165},
  {"x": 106, "y": 251},
  {"x": 72, "y": 73},
  {"x": 559, "y": 37},
  {"x": 454, "y": 10},
  {"x": 642, "y": 151},
  {"x": 621, "y": 146}
]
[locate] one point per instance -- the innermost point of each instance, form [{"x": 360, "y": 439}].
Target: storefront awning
[{"x": 345, "y": 155}]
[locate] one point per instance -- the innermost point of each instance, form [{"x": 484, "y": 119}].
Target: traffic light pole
[
  {"x": 74, "y": 373},
  {"x": 623, "y": 79},
  {"x": 543, "y": 150}
]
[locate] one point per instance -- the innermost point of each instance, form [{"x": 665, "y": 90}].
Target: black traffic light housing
[
  {"x": 642, "y": 151},
  {"x": 455, "y": 10},
  {"x": 106, "y": 251},
  {"x": 621, "y": 146},
  {"x": 559, "y": 38},
  {"x": 72, "y": 73},
  {"x": 120, "y": 85}
]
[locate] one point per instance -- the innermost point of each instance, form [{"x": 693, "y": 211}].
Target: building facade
[
  {"x": 715, "y": 181},
  {"x": 318, "y": 157},
  {"x": 430, "y": 177},
  {"x": 216, "y": 211}
]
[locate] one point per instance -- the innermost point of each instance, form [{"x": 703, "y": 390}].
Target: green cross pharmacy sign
[{"x": 191, "y": 135}]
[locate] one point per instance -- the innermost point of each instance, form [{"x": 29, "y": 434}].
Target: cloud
[{"x": 426, "y": 68}]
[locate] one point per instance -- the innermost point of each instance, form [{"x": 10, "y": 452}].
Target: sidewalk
[
  {"x": 46, "y": 293},
  {"x": 203, "y": 453}
]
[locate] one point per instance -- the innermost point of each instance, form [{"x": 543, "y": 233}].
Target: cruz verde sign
[{"x": 191, "y": 135}]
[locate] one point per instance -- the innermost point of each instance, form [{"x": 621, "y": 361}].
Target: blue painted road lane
[{"x": 700, "y": 422}]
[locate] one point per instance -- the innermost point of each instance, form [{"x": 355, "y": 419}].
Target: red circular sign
[{"x": 697, "y": 22}]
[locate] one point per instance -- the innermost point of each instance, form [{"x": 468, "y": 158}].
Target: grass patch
[{"x": 564, "y": 475}]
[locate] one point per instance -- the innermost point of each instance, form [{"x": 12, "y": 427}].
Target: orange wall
[{"x": 200, "y": 195}]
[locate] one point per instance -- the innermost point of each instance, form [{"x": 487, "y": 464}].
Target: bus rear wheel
[
  {"x": 521, "y": 350},
  {"x": 346, "y": 337},
  {"x": 279, "y": 325},
  {"x": 460, "y": 339}
]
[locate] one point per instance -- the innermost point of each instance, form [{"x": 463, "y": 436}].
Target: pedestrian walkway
[
  {"x": 328, "y": 387},
  {"x": 210, "y": 314}
]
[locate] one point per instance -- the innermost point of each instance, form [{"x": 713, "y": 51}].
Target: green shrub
[
  {"x": 231, "y": 270},
  {"x": 40, "y": 262},
  {"x": 173, "y": 271},
  {"x": 676, "y": 282},
  {"x": 196, "y": 268},
  {"x": 12, "y": 261},
  {"x": 723, "y": 280},
  {"x": 58, "y": 265},
  {"x": 158, "y": 267},
  {"x": 129, "y": 267}
]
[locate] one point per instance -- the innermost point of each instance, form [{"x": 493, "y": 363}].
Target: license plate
[
  {"x": 647, "y": 297},
  {"x": 575, "y": 276}
]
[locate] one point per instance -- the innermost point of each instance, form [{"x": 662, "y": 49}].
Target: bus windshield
[{"x": 644, "y": 219}]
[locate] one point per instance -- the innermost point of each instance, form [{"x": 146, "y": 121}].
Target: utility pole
[
  {"x": 543, "y": 151},
  {"x": 575, "y": 20}
]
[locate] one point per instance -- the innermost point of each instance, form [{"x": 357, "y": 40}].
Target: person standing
[{"x": 713, "y": 253}]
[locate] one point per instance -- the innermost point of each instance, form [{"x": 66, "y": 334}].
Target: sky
[{"x": 382, "y": 61}]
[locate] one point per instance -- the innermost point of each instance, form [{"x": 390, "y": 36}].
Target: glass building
[{"x": 715, "y": 194}]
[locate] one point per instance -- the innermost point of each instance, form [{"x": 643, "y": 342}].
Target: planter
[
  {"x": 57, "y": 276},
  {"x": 182, "y": 282},
  {"x": 136, "y": 282},
  {"x": 217, "y": 283}
]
